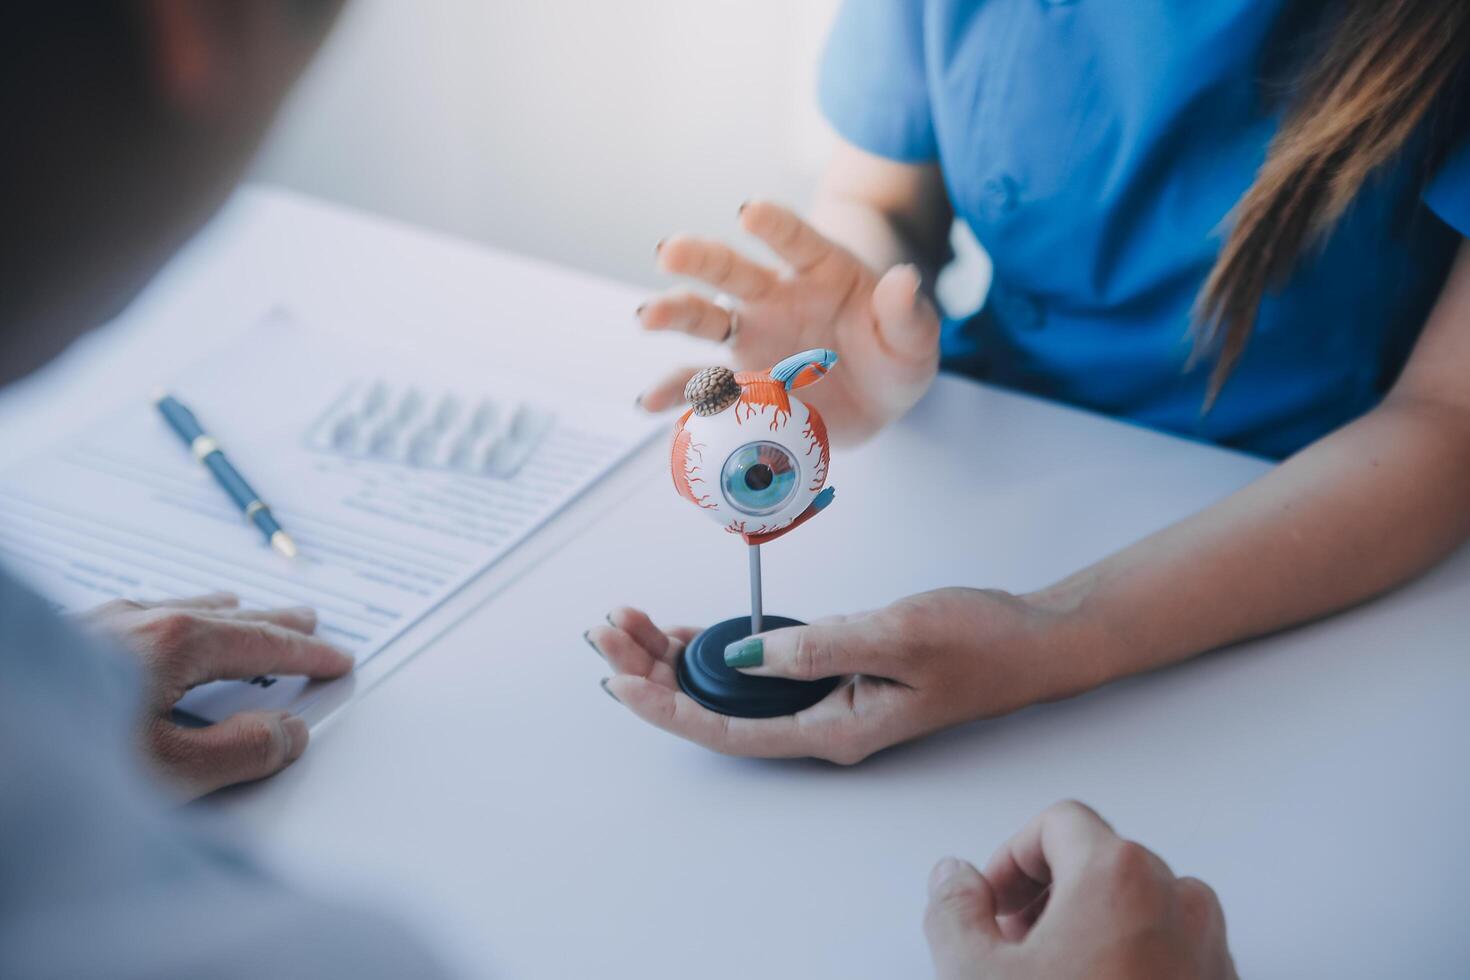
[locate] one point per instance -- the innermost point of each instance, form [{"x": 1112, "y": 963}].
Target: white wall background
[{"x": 576, "y": 130}]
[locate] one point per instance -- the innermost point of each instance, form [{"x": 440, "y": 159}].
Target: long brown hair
[{"x": 1382, "y": 71}]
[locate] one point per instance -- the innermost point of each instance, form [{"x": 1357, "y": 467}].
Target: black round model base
[{"x": 705, "y": 678}]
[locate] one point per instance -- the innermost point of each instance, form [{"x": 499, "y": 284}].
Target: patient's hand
[
  {"x": 913, "y": 667},
  {"x": 187, "y": 642},
  {"x": 885, "y": 332},
  {"x": 1068, "y": 899}
]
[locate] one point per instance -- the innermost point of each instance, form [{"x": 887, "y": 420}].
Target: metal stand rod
[{"x": 755, "y": 589}]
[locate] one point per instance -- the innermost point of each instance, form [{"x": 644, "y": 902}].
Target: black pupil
[{"x": 759, "y": 476}]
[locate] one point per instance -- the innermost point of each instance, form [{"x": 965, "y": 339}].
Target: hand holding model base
[{"x": 704, "y": 676}]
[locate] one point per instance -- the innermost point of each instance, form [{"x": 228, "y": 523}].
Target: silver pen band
[{"x": 202, "y": 446}]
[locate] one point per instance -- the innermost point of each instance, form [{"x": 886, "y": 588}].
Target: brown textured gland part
[{"x": 712, "y": 390}]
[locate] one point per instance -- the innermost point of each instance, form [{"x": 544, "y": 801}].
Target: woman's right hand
[{"x": 883, "y": 328}]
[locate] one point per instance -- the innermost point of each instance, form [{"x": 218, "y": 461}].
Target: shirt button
[
  {"x": 1029, "y": 313},
  {"x": 997, "y": 196},
  {"x": 1017, "y": 309}
]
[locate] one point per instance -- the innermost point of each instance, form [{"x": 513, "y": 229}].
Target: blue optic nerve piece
[{"x": 818, "y": 357}]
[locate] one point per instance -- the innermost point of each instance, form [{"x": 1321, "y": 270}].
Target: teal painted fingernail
[
  {"x": 746, "y": 653},
  {"x": 607, "y": 690}
]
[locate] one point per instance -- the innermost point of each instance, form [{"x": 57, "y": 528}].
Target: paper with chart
[{"x": 450, "y": 464}]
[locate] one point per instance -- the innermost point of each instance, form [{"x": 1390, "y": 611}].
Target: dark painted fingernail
[
  {"x": 641, "y": 308},
  {"x": 587, "y": 635},
  {"x": 660, "y": 246},
  {"x": 607, "y": 690},
  {"x": 610, "y": 622},
  {"x": 750, "y": 652},
  {"x": 741, "y": 210},
  {"x": 638, "y": 402}
]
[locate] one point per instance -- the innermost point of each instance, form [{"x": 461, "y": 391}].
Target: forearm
[
  {"x": 1354, "y": 514},
  {"x": 873, "y": 235},
  {"x": 885, "y": 213}
]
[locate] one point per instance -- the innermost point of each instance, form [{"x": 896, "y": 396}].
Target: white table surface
[{"x": 489, "y": 791}]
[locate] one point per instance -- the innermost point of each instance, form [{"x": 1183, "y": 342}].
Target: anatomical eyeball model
[
  {"x": 754, "y": 457},
  {"x": 750, "y": 453}
]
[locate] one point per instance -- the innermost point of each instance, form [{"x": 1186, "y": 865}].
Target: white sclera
[{"x": 715, "y": 439}]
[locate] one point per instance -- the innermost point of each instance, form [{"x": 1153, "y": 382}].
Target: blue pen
[{"x": 208, "y": 452}]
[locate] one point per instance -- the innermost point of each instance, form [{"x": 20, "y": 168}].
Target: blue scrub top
[{"x": 1095, "y": 148}]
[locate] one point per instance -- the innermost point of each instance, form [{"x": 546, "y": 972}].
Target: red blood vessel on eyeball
[{"x": 750, "y": 453}]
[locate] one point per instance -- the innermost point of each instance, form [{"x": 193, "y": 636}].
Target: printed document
[{"x": 401, "y": 477}]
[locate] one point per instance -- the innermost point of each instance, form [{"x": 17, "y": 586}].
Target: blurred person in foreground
[{"x": 126, "y": 124}]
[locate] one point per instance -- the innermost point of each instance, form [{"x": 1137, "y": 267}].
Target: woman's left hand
[{"x": 921, "y": 664}]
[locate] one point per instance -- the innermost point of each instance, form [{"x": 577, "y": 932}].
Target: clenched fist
[{"x": 1068, "y": 899}]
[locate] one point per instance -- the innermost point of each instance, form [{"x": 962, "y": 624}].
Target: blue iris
[{"x": 759, "y": 478}]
